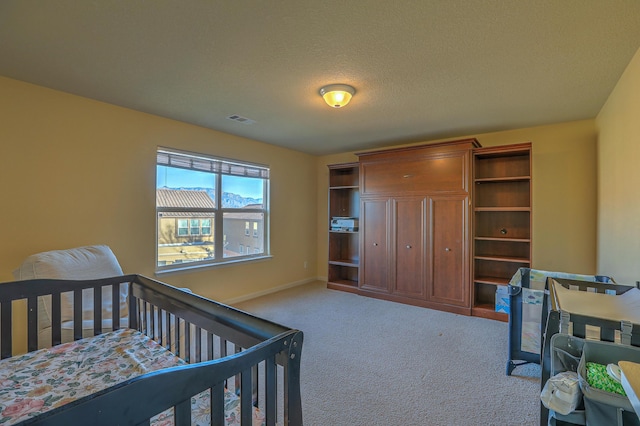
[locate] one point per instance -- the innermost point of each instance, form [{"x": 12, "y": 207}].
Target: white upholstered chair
[{"x": 81, "y": 263}]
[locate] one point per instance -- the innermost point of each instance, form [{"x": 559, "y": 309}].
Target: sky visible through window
[{"x": 172, "y": 177}]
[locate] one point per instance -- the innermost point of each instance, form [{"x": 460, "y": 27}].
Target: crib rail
[
  {"x": 257, "y": 359},
  {"x": 31, "y": 290},
  {"x": 121, "y": 404}
]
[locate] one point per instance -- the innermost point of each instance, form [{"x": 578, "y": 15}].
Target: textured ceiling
[{"x": 422, "y": 69}]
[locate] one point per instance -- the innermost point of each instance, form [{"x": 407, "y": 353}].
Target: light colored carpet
[{"x": 373, "y": 362}]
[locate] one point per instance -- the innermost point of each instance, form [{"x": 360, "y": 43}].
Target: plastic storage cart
[{"x": 570, "y": 343}]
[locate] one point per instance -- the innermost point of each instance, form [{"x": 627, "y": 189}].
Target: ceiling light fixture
[{"x": 337, "y": 95}]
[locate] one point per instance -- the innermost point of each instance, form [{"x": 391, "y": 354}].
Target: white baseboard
[{"x": 270, "y": 290}]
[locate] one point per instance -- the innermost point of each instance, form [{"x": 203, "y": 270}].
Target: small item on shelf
[
  {"x": 502, "y": 299},
  {"x": 342, "y": 223}
]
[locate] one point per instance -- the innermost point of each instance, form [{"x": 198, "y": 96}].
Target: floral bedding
[{"x": 45, "y": 379}]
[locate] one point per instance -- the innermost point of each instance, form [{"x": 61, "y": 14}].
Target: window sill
[{"x": 224, "y": 263}]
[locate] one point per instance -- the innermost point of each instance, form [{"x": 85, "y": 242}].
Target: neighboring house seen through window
[{"x": 208, "y": 209}]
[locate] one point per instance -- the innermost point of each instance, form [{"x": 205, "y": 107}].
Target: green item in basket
[{"x": 598, "y": 378}]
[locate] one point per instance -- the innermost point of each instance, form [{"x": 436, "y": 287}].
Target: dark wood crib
[{"x": 224, "y": 348}]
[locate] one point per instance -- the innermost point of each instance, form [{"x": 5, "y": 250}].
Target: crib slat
[
  {"x": 168, "y": 317},
  {"x": 152, "y": 321},
  {"x": 141, "y": 315},
  {"x": 56, "y": 333},
  {"x": 217, "y": 405},
  {"x": 223, "y": 347},
  {"x": 255, "y": 385},
  {"x": 209, "y": 346},
  {"x": 32, "y": 324},
  {"x": 133, "y": 309},
  {"x": 145, "y": 318},
  {"x": 136, "y": 316},
  {"x": 246, "y": 403},
  {"x": 187, "y": 341},
  {"x": 237, "y": 350},
  {"x": 198, "y": 336},
  {"x": 159, "y": 325},
  {"x": 115, "y": 306},
  {"x": 97, "y": 312},
  {"x": 177, "y": 330},
  {"x": 5, "y": 330},
  {"x": 270, "y": 390},
  {"x": 183, "y": 413},
  {"x": 286, "y": 395},
  {"x": 77, "y": 314}
]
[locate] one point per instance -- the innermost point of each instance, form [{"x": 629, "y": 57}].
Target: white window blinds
[{"x": 210, "y": 164}]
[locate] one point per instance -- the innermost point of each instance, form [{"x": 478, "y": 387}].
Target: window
[
  {"x": 183, "y": 227},
  {"x": 187, "y": 227},
  {"x": 206, "y": 207},
  {"x": 206, "y": 227},
  {"x": 195, "y": 227}
]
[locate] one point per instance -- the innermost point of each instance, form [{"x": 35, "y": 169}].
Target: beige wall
[
  {"x": 76, "y": 172},
  {"x": 618, "y": 126},
  {"x": 564, "y": 194},
  {"x": 89, "y": 167}
]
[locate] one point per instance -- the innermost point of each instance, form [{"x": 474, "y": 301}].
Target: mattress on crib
[
  {"x": 620, "y": 307},
  {"x": 45, "y": 379}
]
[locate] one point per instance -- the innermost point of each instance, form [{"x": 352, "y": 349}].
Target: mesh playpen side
[{"x": 528, "y": 308}]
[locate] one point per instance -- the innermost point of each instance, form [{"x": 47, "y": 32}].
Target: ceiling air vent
[{"x": 240, "y": 119}]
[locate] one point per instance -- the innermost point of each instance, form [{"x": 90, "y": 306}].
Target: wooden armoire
[
  {"x": 441, "y": 225},
  {"x": 415, "y": 225}
]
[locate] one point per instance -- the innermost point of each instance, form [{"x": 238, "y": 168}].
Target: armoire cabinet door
[
  {"x": 449, "y": 282},
  {"x": 409, "y": 219},
  {"x": 374, "y": 247}
]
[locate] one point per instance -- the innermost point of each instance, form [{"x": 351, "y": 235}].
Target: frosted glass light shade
[{"x": 337, "y": 95}]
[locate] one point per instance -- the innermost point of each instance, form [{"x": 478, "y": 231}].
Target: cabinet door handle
[
  {"x": 375, "y": 244},
  {"x": 408, "y": 246},
  {"x": 447, "y": 249},
  {"x": 407, "y": 176}
]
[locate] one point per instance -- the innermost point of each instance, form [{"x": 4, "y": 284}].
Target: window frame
[{"x": 218, "y": 167}]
